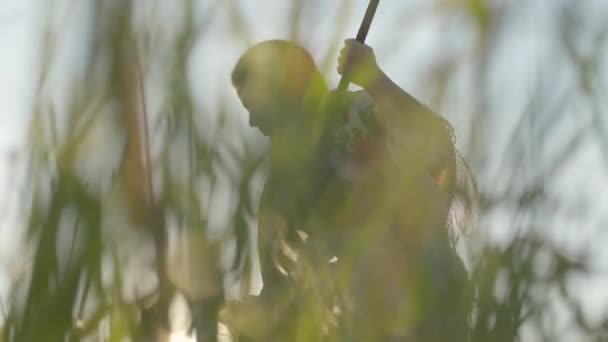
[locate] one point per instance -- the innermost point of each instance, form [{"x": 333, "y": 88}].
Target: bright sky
[{"x": 419, "y": 42}]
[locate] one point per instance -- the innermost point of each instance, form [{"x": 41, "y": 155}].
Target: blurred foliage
[{"x": 123, "y": 215}]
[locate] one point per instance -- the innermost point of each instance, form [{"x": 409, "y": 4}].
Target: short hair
[{"x": 288, "y": 61}]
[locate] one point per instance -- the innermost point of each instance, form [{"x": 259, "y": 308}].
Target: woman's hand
[{"x": 358, "y": 62}]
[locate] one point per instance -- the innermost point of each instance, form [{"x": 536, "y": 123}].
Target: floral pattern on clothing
[{"x": 357, "y": 138}]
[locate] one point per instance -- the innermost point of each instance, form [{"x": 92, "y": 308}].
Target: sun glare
[{"x": 181, "y": 336}]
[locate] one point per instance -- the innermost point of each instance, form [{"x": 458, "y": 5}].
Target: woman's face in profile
[
  {"x": 269, "y": 90},
  {"x": 258, "y": 97}
]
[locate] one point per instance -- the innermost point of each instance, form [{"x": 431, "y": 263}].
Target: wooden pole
[{"x": 361, "y": 35}]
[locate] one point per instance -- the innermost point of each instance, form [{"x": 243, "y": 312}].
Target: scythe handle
[{"x": 361, "y": 35}]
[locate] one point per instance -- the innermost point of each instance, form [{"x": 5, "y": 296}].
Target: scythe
[{"x": 361, "y": 35}]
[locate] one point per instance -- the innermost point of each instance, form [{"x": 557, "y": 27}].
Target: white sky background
[{"x": 407, "y": 49}]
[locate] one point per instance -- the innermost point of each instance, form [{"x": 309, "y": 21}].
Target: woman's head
[{"x": 272, "y": 79}]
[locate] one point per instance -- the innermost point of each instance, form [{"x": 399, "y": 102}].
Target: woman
[{"x": 375, "y": 192}]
